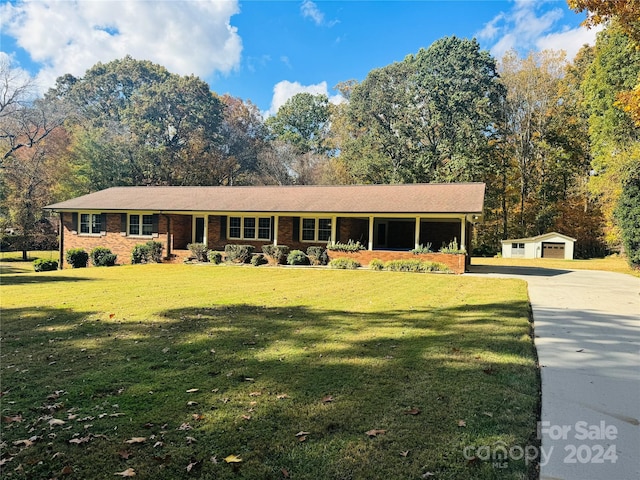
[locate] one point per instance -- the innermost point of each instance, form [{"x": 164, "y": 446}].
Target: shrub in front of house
[
  {"x": 422, "y": 249},
  {"x": 376, "y": 264},
  {"x": 435, "y": 267},
  {"x": 452, "y": 247},
  {"x": 199, "y": 251},
  {"x": 238, "y": 253},
  {"x": 350, "y": 246},
  {"x": 317, "y": 256},
  {"x": 415, "y": 266},
  {"x": 42, "y": 265},
  {"x": 404, "y": 265},
  {"x": 259, "y": 259},
  {"x": 277, "y": 253},
  {"x": 77, "y": 257},
  {"x": 102, "y": 257},
  {"x": 150, "y": 252},
  {"x": 344, "y": 263},
  {"x": 214, "y": 257},
  {"x": 297, "y": 257}
]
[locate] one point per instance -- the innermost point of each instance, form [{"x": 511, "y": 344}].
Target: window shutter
[
  {"x": 296, "y": 229},
  {"x": 337, "y": 239},
  {"x": 103, "y": 223},
  {"x": 123, "y": 224},
  {"x": 273, "y": 221},
  {"x": 155, "y": 220},
  {"x": 74, "y": 221},
  {"x": 223, "y": 227}
]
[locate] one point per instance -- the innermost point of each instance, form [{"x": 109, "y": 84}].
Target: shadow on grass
[
  {"x": 13, "y": 279},
  {"x": 513, "y": 270},
  {"x": 262, "y": 375}
]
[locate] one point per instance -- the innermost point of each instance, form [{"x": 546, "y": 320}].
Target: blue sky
[{"x": 266, "y": 51}]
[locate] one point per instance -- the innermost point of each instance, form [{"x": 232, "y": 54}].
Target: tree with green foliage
[
  {"x": 614, "y": 138},
  {"x": 302, "y": 122},
  {"x": 628, "y": 215},
  {"x": 137, "y": 122},
  {"x": 430, "y": 117}
]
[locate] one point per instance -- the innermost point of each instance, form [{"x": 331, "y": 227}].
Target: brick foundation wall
[{"x": 456, "y": 263}]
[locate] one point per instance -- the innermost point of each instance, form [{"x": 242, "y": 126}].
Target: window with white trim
[
  {"x": 316, "y": 229},
  {"x": 250, "y": 228},
  {"x": 90, "y": 223},
  {"x": 141, "y": 225}
]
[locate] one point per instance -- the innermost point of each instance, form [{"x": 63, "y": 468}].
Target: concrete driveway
[{"x": 587, "y": 333}]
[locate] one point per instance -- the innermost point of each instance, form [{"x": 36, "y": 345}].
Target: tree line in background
[{"x": 556, "y": 142}]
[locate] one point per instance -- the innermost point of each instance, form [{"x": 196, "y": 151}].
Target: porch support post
[
  {"x": 463, "y": 233},
  {"x": 334, "y": 225},
  {"x": 168, "y": 235},
  {"x": 417, "y": 239},
  {"x": 371, "y": 222},
  {"x": 276, "y": 221},
  {"x": 61, "y": 246}
]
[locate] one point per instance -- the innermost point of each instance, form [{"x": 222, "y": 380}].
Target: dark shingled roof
[{"x": 347, "y": 199}]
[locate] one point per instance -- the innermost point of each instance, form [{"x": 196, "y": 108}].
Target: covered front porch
[{"x": 374, "y": 232}]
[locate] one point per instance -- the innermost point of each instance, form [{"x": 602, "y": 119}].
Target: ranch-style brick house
[{"x": 389, "y": 220}]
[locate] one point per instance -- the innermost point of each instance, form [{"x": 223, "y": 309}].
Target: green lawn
[{"x": 168, "y": 369}]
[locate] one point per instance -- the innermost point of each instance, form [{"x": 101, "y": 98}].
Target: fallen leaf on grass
[
  {"x": 405, "y": 453},
  {"x": 428, "y": 474},
  {"x": 246, "y": 417},
  {"x": 191, "y": 440},
  {"x": 300, "y": 434},
  {"x": 232, "y": 459},
  {"x": 192, "y": 464},
  {"x": 80, "y": 440},
  {"x": 282, "y": 396},
  {"x": 111, "y": 315},
  {"x": 67, "y": 470},
  {"x": 158, "y": 444},
  {"x": 193, "y": 390},
  {"x": 54, "y": 421},
  {"x": 198, "y": 416},
  {"x": 487, "y": 414},
  {"x": 302, "y": 438},
  {"x": 125, "y": 454},
  {"x": 375, "y": 432},
  {"x": 255, "y": 394},
  {"x": 23, "y": 443},
  {"x": 462, "y": 423},
  {"x": 413, "y": 411},
  {"x": 285, "y": 472},
  {"x": 185, "y": 426},
  {"x": 129, "y": 472},
  {"x": 5, "y": 460},
  {"x": 12, "y": 419},
  {"x": 134, "y": 440},
  {"x": 192, "y": 404},
  {"x": 328, "y": 399}
]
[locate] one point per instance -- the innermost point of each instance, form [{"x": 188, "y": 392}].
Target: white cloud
[
  {"x": 311, "y": 10},
  {"x": 526, "y": 27},
  {"x": 70, "y": 36},
  {"x": 285, "y": 89},
  {"x": 570, "y": 40}
]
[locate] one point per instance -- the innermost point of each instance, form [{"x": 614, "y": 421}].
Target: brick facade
[{"x": 116, "y": 238}]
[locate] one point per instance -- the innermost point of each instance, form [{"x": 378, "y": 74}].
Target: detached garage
[{"x": 549, "y": 245}]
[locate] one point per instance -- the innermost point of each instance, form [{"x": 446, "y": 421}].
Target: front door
[{"x": 199, "y": 230}]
